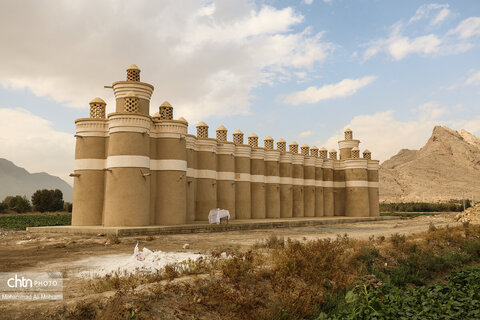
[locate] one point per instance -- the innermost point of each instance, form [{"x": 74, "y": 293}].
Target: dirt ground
[{"x": 23, "y": 251}]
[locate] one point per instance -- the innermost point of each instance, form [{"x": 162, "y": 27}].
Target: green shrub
[
  {"x": 18, "y": 204},
  {"x": 68, "y": 207},
  {"x": 48, "y": 200},
  {"x": 422, "y": 207}
]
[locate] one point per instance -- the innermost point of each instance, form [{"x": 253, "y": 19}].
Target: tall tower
[{"x": 127, "y": 184}]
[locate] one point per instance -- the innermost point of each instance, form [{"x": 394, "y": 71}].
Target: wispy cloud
[
  {"x": 344, "y": 88},
  {"x": 437, "y": 13},
  {"x": 398, "y": 45}
]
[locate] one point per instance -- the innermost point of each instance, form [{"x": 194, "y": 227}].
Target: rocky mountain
[
  {"x": 446, "y": 168},
  {"x": 18, "y": 181}
]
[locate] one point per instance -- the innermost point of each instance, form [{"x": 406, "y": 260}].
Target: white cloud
[
  {"x": 384, "y": 135},
  {"x": 439, "y": 11},
  {"x": 398, "y": 45},
  {"x": 308, "y": 1},
  {"x": 430, "y": 110},
  {"x": 467, "y": 28},
  {"x": 305, "y": 134},
  {"x": 473, "y": 80},
  {"x": 31, "y": 142},
  {"x": 203, "y": 56},
  {"x": 344, "y": 88}
]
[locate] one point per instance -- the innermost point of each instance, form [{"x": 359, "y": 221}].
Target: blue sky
[{"x": 297, "y": 70}]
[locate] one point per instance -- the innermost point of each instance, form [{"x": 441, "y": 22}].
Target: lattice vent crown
[
  {"x": 305, "y": 150},
  {"x": 348, "y": 134},
  {"x": 323, "y": 153},
  {"x": 202, "y": 130},
  {"x": 282, "y": 145},
  {"x": 355, "y": 153},
  {"x": 222, "y": 133},
  {"x": 367, "y": 155},
  {"x": 314, "y": 151},
  {"x": 253, "y": 140},
  {"x": 97, "y": 109},
  {"x": 133, "y": 73},
  {"x": 293, "y": 147},
  {"x": 333, "y": 154},
  {"x": 166, "y": 111},
  {"x": 238, "y": 137},
  {"x": 268, "y": 143}
]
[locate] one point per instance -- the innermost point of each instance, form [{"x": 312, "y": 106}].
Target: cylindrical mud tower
[
  {"x": 225, "y": 172},
  {"x": 127, "y": 186},
  {"x": 243, "y": 192},
  {"x": 257, "y": 178},
  {"x": 286, "y": 187},
  {"x": 272, "y": 179},
  {"x": 373, "y": 184},
  {"x": 90, "y": 157},
  {"x": 356, "y": 188},
  {"x": 297, "y": 181},
  {"x": 319, "y": 210},
  {"x": 309, "y": 182},
  {"x": 190, "y": 144},
  {"x": 206, "y": 173},
  {"x": 170, "y": 165},
  {"x": 328, "y": 201},
  {"x": 127, "y": 190}
]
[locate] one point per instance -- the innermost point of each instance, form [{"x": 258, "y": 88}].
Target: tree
[
  {"x": 18, "y": 204},
  {"x": 47, "y": 200}
]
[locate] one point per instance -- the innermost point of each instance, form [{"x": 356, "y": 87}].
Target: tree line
[{"x": 42, "y": 200}]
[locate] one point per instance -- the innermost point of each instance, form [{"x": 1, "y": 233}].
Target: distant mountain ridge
[
  {"x": 446, "y": 168},
  {"x": 18, "y": 181}
]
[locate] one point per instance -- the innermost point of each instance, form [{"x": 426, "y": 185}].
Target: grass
[{"x": 20, "y": 222}]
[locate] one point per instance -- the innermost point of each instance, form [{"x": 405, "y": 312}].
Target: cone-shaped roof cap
[
  {"x": 281, "y": 140},
  {"x": 314, "y": 148},
  {"x": 293, "y": 143},
  {"x": 98, "y": 100},
  {"x": 268, "y": 138},
  {"x": 238, "y": 132},
  {"x": 323, "y": 149},
  {"x": 133, "y": 67},
  {"x": 366, "y": 151},
  {"x": 305, "y": 146},
  {"x": 202, "y": 124},
  {"x": 348, "y": 130},
  {"x": 165, "y": 104},
  {"x": 221, "y": 128},
  {"x": 333, "y": 150},
  {"x": 253, "y": 135}
]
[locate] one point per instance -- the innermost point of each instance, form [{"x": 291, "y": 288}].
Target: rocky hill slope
[
  {"x": 18, "y": 181},
  {"x": 444, "y": 169}
]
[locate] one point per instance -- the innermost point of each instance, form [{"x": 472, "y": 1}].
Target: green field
[{"x": 20, "y": 222}]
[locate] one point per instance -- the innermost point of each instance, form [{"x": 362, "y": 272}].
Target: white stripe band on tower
[
  {"x": 242, "y": 177},
  {"x": 228, "y": 176},
  {"x": 168, "y": 165},
  {"x": 272, "y": 179},
  {"x": 257, "y": 178},
  {"x": 128, "y": 162}
]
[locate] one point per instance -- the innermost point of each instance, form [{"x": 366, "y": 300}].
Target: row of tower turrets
[{"x": 133, "y": 169}]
